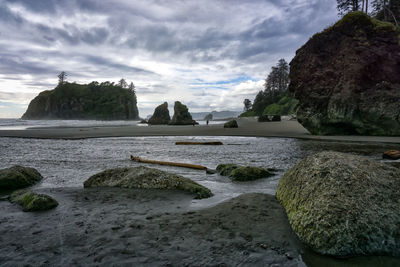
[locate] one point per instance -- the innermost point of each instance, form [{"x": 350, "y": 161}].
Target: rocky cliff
[
  {"x": 160, "y": 115},
  {"x": 181, "y": 115},
  {"x": 103, "y": 101},
  {"x": 347, "y": 78}
]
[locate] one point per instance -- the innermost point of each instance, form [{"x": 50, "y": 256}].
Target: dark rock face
[
  {"x": 84, "y": 101},
  {"x": 347, "y": 78},
  {"x": 160, "y": 115},
  {"x": 343, "y": 205},
  {"x": 231, "y": 124},
  {"x": 181, "y": 115},
  {"x": 146, "y": 178},
  {"x": 18, "y": 177},
  {"x": 31, "y": 201}
]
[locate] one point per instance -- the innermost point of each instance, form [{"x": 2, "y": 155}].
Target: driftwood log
[
  {"x": 177, "y": 164},
  {"x": 199, "y": 143}
]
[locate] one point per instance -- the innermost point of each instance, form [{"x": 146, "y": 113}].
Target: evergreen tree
[
  {"x": 132, "y": 87},
  {"x": 122, "y": 83},
  {"x": 346, "y": 6},
  {"x": 62, "y": 77}
]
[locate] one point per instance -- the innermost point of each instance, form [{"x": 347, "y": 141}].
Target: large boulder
[
  {"x": 181, "y": 115},
  {"x": 343, "y": 205},
  {"x": 160, "y": 115},
  {"x": 31, "y": 201},
  {"x": 347, "y": 78},
  {"x": 18, "y": 177},
  {"x": 146, "y": 178}
]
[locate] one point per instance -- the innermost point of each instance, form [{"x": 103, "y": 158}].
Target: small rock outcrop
[
  {"x": 31, "y": 201},
  {"x": 18, "y": 177},
  {"x": 146, "y": 178},
  {"x": 343, "y": 205},
  {"x": 347, "y": 78},
  {"x": 243, "y": 173},
  {"x": 181, "y": 115},
  {"x": 101, "y": 101},
  {"x": 263, "y": 118},
  {"x": 391, "y": 154},
  {"x": 160, "y": 115},
  {"x": 231, "y": 124}
]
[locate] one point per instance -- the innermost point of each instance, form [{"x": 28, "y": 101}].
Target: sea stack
[
  {"x": 347, "y": 78},
  {"x": 181, "y": 115},
  {"x": 160, "y": 115}
]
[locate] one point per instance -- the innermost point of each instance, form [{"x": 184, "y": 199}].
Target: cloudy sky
[{"x": 209, "y": 54}]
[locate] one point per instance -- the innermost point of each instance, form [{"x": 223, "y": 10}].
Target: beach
[{"x": 247, "y": 127}]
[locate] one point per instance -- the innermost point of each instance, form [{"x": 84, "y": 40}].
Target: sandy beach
[{"x": 247, "y": 127}]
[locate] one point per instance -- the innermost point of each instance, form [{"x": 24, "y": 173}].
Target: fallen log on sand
[
  {"x": 177, "y": 164},
  {"x": 199, "y": 143}
]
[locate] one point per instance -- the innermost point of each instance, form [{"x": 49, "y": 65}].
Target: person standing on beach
[{"x": 207, "y": 122}]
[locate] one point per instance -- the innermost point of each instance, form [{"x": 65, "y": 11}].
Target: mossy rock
[
  {"x": 243, "y": 173},
  {"x": 31, "y": 201},
  {"x": 249, "y": 173},
  {"x": 18, "y": 177},
  {"x": 226, "y": 169},
  {"x": 231, "y": 124},
  {"x": 343, "y": 205},
  {"x": 146, "y": 178}
]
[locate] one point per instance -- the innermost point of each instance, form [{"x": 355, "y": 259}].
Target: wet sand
[
  {"x": 120, "y": 227},
  {"x": 247, "y": 127}
]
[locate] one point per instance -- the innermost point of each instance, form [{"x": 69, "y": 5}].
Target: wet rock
[
  {"x": 243, "y": 173},
  {"x": 146, "y": 178},
  {"x": 391, "y": 154},
  {"x": 231, "y": 124},
  {"x": 31, "y": 201},
  {"x": 182, "y": 115},
  {"x": 343, "y": 205},
  {"x": 160, "y": 115},
  {"x": 144, "y": 121},
  {"x": 347, "y": 78},
  {"x": 18, "y": 177},
  {"x": 276, "y": 118},
  {"x": 263, "y": 118}
]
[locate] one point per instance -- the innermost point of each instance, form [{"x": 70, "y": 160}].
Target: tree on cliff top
[{"x": 62, "y": 77}]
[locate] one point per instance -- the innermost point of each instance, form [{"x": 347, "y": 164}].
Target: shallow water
[{"x": 68, "y": 163}]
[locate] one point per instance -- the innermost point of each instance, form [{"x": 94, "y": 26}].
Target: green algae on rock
[
  {"x": 17, "y": 177},
  {"x": 243, "y": 173},
  {"x": 31, "y": 201},
  {"x": 343, "y": 205},
  {"x": 146, "y": 178}
]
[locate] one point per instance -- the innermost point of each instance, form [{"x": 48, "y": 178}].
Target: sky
[{"x": 208, "y": 54}]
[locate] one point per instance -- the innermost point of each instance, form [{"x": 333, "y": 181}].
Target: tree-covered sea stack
[{"x": 101, "y": 101}]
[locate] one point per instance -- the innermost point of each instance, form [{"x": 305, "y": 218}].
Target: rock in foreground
[
  {"x": 181, "y": 115},
  {"x": 391, "y": 154},
  {"x": 343, "y": 205},
  {"x": 31, "y": 201},
  {"x": 243, "y": 173},
  {"x": 160, "y": 115},
  {"x": 146, "y": 178},
  {"x": 347, "y": 78},
  {"x": 18, "y": 177}
]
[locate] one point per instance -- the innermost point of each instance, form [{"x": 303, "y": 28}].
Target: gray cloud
[{"x": 163, "y": 46}]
